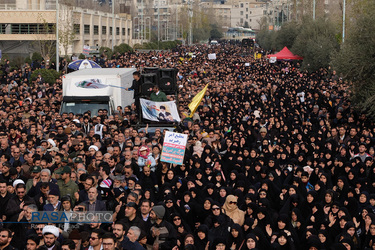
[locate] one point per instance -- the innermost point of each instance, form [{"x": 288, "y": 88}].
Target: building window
[
  {"x": 251, "y": 12},
  {"x": 104, "y": 30},
  {"x": 86, "y": 29},
  {"x": 247, "y": 9},
  {"x": 45, "y": 29},
  {"x": 110, "y": 30},
  {"x": 33, "y": 28},
  {"x": 117, "y": 31},
  {"x": 241, "y": 13},
  {"x": 247, "y": 16},
  {"x": 96, "y": 30},
  {"x": 77, "y": 28},
  {"x": 2, "y": 28},
  {"x": 15, "y": 28},
  {"x": 241, "y": 5},
  {"x": 123, "y": 31},
  {"x": 128, "y": 31},
  {"x": 24, "y": 29},
  {"x": 241, "y": 20}
]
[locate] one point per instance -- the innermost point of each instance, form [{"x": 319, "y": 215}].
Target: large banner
[
  {"x": 174, "y": 148},
  {"x": 159, "y": 111}
]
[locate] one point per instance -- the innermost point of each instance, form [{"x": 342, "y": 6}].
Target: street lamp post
[{"x": 57, "y": 36}]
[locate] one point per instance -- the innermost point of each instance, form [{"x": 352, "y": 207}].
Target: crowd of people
[{"x": 276, "y": 158}]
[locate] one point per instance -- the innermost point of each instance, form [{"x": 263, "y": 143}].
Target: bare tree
[
  {"x": 67, "y": 32},
  {"x": 45, "y": 40}
]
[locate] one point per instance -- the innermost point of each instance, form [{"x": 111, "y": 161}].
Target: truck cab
[{"x": 80, "y": 104}]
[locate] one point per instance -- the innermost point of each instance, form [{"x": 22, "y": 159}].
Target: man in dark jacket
[
  {"x": 16, "y": 203},
  {"x": 136, "y": 87},
  {"x": 93, "y": 204},
  {"x": 164, "y": 236},
  {"x": 4, "y": 198},
  {"x": 131, "y": 217}
]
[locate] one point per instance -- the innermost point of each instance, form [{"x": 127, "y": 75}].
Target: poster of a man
[{"x": 159, "y": 111}]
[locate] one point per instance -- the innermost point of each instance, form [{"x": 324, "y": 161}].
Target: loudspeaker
[
  {"x": 148, "y": 82},
  {"x": 168, "y": 81},
  {"x": 247, "y": 42},
  {"x": 152, "y": 70}
]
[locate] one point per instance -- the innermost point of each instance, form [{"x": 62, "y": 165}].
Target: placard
[
  {"x": 212, "y": 56},
  {"x": 174, "y": 148}
]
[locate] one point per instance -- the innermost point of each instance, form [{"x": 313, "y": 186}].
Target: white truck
[{"x": 79, "y": 99}]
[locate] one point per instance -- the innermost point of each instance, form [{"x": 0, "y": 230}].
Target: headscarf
[{"x": 237, "y": 215}]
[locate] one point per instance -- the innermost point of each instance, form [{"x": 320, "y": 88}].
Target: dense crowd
[{"x": 277, "y": 158}]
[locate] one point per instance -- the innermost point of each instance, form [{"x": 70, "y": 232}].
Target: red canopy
[{"x": 285, "y": 54}]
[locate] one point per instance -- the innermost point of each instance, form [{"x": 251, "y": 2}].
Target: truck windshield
[{"x": 82, "y": 107}]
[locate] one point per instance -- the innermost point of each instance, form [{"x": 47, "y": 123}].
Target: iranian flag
[{"x": 91, "y": 84}]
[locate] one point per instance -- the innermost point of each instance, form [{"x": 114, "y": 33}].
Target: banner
[
  {"x": 273, "y": 59},
  {"x": 174, "y": 148},
  {"x": 159, "y": 111}
]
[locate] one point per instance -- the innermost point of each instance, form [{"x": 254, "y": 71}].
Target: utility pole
[
  {"x": 314, "y": 5},
  {"x": 190, "y": 22},
  {"x": 176, "y": 22},
  {"x": 343, "y": 20},
  {"x": 57, "y": 36},
  {"x": 158, "y": 24},
  {"x": 113, "y": 24},
  {"x": 142, "y": 23}
]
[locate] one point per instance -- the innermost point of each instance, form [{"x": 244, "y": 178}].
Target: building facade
[{"x": 25, "y": 22}]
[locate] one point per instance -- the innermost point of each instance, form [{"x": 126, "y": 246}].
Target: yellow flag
[{"x": 197, "y": 100}]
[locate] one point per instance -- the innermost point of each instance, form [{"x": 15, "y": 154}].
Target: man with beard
[
  {"x": 50, "y": 235},
  {"x": 119, "y": 230},
  {"x": 131, "y": 217},
  {"x": 45, "y": 176},
  {"x": 32, "y": 242},
  {"x": 82, "y": 195},
  {"x": 106, "y": 183},
  {"x": 5, "y": 171},
  {"x": 5, "y": 238},
  {"x": 162, "y": 229},
  {"x": 4, "y": 198}
]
